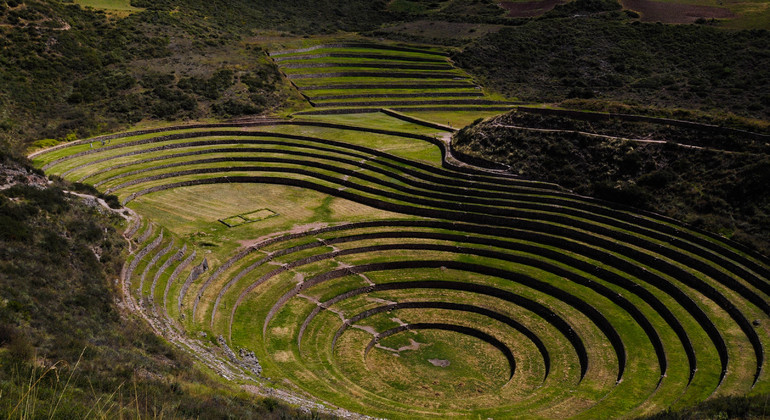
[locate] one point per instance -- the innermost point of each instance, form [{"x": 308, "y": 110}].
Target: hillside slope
[
  {"x": 611, "y": 57},
  {"x": 716, "y": 181}
]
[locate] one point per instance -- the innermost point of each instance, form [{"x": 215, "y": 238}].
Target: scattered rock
[
  {"x": 439, "y": 362},
  {"x": 228, "y": 351},
  {"x": 249, "y": 359},
  {"x": 13, "y": 174}
]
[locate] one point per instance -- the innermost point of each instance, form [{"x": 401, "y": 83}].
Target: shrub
[
  {"x": 235, "y": 108},
  {"x": 112, "y": 200}
]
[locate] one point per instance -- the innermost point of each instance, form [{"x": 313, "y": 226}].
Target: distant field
[
  {"x": 735, "y": 14},
  {"x": 109, "y": 5}
]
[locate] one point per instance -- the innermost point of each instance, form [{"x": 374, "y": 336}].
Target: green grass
[
  {"x": 109, "y": 5},
  {"x": 389, "y": 59},
  {"x": 362, "y": 50},
  {"x": 383, "y": 90}
]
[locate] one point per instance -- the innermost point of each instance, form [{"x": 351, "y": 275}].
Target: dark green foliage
[
  {"x": 608, "y": 57},
  {"x": 723, "y": 186},
  {"x": 729, "y": 407},
  {"x": 583, "y": 7},
  {"x": 298, "y": 16},
  {"x": 210, "y": 88},
  {"x": 231, "y": 108},
  {"x": 103, "y": 73}
]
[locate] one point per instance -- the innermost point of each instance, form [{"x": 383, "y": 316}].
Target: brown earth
[
  {"x": 529, "y": 8},
  {"x": 656, "y": 11}
]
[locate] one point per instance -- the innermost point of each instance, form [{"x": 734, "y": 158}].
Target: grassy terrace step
[
  {"x": 416, "y": 86},
  {"x": 559, "y": 305},
  {"x": 444, "y": 108},
  {"x": 356, "y": 76},
  {"x": 360, "y": 46},
  {"x": 361, "y": 56},
  {"x": 360, "y": 64},
  {"x": 332, "y": 94},
  {"x": 416, "y": 101},
  {"x": 374, "y": 69}
]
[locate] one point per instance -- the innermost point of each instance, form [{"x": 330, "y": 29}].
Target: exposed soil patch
[
  {"x": 529, "y": 8},
  {"x": 439, "y": 362},
  {"x": 656, "y": 11}
]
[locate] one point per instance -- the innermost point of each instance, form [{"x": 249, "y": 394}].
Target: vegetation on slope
[
  {"x": 720, "y": 184},
  {"x": 66, "y": 349},
  {"x": 574, "y": 53},
  {"x": 734, "y": 407},
  {"x": 71, "y": 72}
]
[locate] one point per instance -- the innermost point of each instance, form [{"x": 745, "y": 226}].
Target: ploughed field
[{"x": 364, "y": 270}]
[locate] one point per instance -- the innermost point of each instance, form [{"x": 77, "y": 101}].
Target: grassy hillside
[{"x": 377, "y": 276}]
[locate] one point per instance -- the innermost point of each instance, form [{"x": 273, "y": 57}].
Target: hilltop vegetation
[
  {"x": 88, "y": 72},
  {"x": 574, "y": 52}
]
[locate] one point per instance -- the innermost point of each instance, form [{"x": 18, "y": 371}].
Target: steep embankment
[{"x": 712, "y": 178}]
